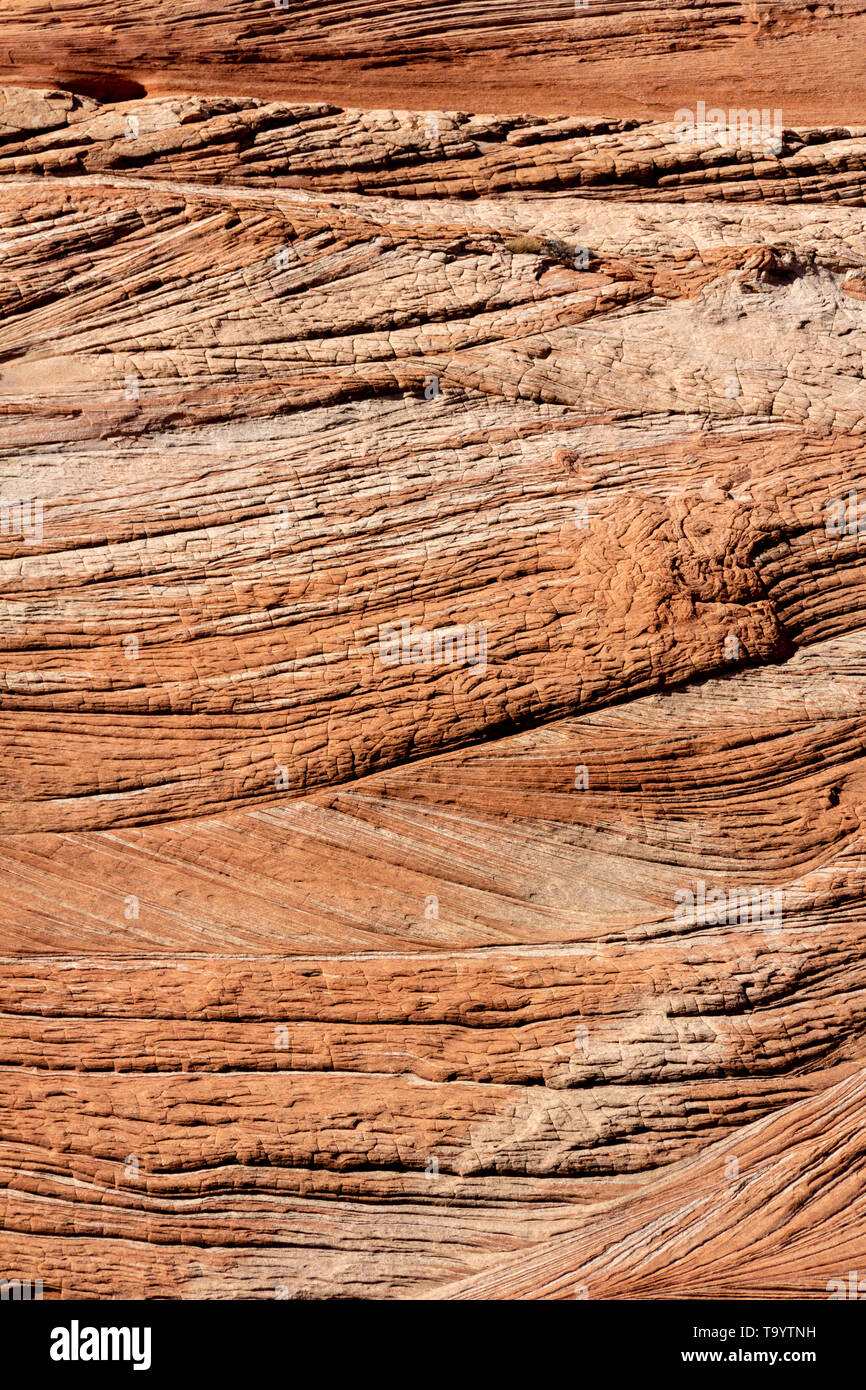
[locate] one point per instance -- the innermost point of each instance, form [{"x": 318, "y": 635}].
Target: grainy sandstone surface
[{"x": 328, "y": 976}]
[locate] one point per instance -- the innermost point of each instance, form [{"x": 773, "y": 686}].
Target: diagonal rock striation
[{"x": 431, "y": 574}]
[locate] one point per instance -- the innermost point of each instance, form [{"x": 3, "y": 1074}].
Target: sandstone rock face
[
  {"x": 431, "y": 576},
  {"x": 584, "y": 57}
]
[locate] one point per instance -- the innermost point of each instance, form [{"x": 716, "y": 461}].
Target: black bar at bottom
[{"x": 72, "y": 1342}]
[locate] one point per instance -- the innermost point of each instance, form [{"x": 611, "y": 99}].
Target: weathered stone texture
[{"x": 335, "y": 976}]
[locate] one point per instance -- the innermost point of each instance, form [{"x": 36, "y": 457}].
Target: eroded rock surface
[
  {"x": 579, "y": 57},
  {"x": 531, "y": 967}
]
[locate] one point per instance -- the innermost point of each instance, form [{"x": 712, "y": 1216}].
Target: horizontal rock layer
[
  {"x": 583, "y": 57},
  {"x": 410, "y": 154}
]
